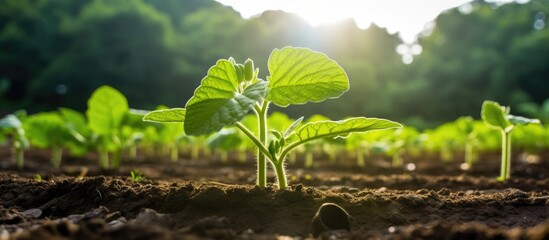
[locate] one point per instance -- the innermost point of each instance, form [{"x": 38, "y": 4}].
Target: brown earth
[{"x": 211, "y": 200}]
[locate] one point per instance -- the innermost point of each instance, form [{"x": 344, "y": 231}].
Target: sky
[{"x": 407, "y": 17}]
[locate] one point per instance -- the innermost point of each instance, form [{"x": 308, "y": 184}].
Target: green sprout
[
  {"x": 11, "y": 126},
  {"x": 38, "y": 177},
  {"x": 498, "y": 117},
  {"x": 136, "y": 176},
  {"x": 297, "y": 76}
]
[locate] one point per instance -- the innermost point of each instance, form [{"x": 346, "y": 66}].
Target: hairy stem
[
  {"x": 505, "y": 156},
  {"x": 254, "y": 139},
  {"x": 280, "y": 175}
]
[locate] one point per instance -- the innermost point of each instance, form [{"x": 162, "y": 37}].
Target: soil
[{"x": 207, "y": 199}]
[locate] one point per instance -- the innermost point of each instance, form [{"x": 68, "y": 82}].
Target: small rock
[
  {"x": 214, "y": 227},
  {"x": 150, "y": 217},
  {"x": 32, "y": 213},
  {"x": 118, "y": 223},
  {"x": 113, "y": 216},
  {"x": 95, "y": 213},
  {"x": 516, "y": 193}
]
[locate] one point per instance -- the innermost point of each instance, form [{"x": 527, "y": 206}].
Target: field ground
[{"x": 193, "y": 199}]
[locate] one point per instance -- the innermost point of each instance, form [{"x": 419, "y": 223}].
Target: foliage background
[{"x": 56, "y": 52}]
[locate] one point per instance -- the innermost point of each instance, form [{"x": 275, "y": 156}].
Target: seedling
[
  {"x": 297, "y": 76},
  {"x": 48, "y": 130},
  {"x": 136, "y": 175},
  {"x": 11, "y": 126},
  {"x": 38, "y": 177},
  {"x": 498, "y": 117},
  {"x": 106, "y": 110},
  {"x": 223, "y": 141}
]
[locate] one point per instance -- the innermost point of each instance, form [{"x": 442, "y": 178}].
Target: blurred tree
[
  {"x": 125, "y": 44},
  {"x": 55, "y": 53},
  {"x": 493, "y": 52}
]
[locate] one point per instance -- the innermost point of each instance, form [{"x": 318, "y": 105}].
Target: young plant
[
  {"x": 107, "y": 108},
  {"x": 11, "y": 126},
  {"x": 224, "y": 141},
  {"x": 136, "y": 176},
  {"x": 498, "y": 117},
  {"x": 297, "y": 76},
  {"x": 48, "y": 130}
]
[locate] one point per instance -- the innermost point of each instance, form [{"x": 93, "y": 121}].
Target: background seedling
[
  {"x": 11, "y": 126},
  {"x": 498, "y": 117},
  {"x": 48, "y": 130},
  {"x": 107, "y": 108},
  {"x": 136, "y": 176},
  {"x": 297, "y": 76}
]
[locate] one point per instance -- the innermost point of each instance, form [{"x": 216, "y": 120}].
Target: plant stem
[
  {"x": 261, "y": 161},
  {"x": 469, "y": 157},
  {"x": 195, "y": 151},
  {"x": 309, "y": 159},
  {"x": 360, "y": 158},
  {"x": 505, "y": 156},
  {"x": 103, "y": 159},
  {"x": 280, "y": 175},
  {"x": 223, "y": 155},
  {"x": 260, "y": 142},
  {"x": 396, "y": 159},
  {"x": 19, "y": 159},
  {"x": 116, "y": 157},
  {"x": 56, "y": 155},
  {"x": 174, "y": 153},
  {"x": 254, "y": 139},
  {"x": 132, "y": 152}
]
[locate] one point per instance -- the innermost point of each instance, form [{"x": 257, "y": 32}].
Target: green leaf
[
  {"x": 10, "y": 122},
  {"x": 46, "y": 130},
  {"x": 226, "y": 139},
  {"x": 494, "y": 114},
  {"x": 332, "y": 129},
  {"x": 216, "y": 102},
  {"x": 518, "y": 120},
  {"x": 75, "y": 120},
  {"x": 173, "y": 115},
  {"x": 291, "y": 128},
  {"x": 106, "y": 109},
  {"x": 299, "y": 75}
]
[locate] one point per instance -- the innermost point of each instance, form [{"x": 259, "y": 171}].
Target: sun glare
[{"x": 408, "y": 18}]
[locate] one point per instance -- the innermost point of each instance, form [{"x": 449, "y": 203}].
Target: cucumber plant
[
  {"x": 297, "y": 76},
  {"x": 498, "y": 117}
]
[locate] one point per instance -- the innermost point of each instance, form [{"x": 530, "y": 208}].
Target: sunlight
[{"x": 408, "y": 18}]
